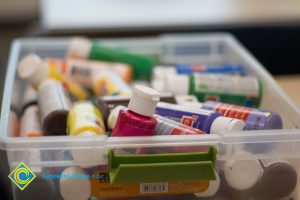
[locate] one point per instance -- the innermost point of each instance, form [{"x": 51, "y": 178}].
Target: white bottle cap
[
  {"x": 212, "y": 189},
  {"x": 242, "y": 174},
  {"x": 160, "y": 72},
  {"x": 226, "y": 124},
  {"x": 113, "y": 116},
  {"x": 32, "y": 68},
  {"x": 180, "y": 99},
  {"x": 177, "y": 84},
  {"x": 79, "y": 47},
  {"x": 74, "y": 188},
  {"x": 144, "y": 100},
  {"x": 83, "y": 156}
]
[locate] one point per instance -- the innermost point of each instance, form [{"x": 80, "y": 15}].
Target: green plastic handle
[{"x": 143, "y": 168}]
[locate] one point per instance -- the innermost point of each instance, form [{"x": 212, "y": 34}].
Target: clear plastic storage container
[{"x": 153, "y": 176}]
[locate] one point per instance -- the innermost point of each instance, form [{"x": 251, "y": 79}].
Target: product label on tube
[
  {"x": 102, "y": 188},
  {"x": 255, "y": 119},
  {"x": 224, "y": 88},
  {"x": 195, "y": 118},
  {"x": 166, "y": 126}
]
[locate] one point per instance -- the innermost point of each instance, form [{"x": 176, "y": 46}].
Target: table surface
[{"x": 291, "y": 85}]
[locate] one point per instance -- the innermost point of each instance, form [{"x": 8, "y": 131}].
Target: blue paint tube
[
  {"x": 218, "y": 69},
  {"x": 205, "y": 120}
]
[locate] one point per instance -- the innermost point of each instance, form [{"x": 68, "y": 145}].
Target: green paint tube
[{"x": 141, "y": 64}]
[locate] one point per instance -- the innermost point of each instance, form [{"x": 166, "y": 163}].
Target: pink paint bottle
[{"x": 138, "y": 120}]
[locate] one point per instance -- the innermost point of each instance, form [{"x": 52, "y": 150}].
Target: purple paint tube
[
  {"x": 255, "y": 119},
  {"x": 205, "y": 120}
]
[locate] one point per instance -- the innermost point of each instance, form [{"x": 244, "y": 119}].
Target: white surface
[{"x": 77, "y": 14}]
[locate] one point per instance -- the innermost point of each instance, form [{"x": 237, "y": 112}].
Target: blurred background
[{"x": 270, "y": 29}]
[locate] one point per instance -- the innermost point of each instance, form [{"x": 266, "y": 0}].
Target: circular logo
[{"x": 21, "y": 176}]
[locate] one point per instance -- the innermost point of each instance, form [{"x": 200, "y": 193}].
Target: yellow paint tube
[{"x": 85, "y": 117}]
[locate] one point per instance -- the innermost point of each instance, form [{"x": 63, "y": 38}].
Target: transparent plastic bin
[{"x": 56, "y": 152}]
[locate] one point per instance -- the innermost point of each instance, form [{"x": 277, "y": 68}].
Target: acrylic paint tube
[
  {"x": 106, "y": 103},
  {"x": 35, "y": 70},
  {"x": 81, "y": 70},
  {"x": 83, "y": 48},
  {"x": 216, "y": 69},
  {"x": 74, "y": 184},
  {"x": 106, "y": 83},
  {"x": 54, "y": 107},
  {"x": 255, "y": 119},
  {"x": 159, "y": 72},
  {"x": 205, "y": 120},
  {"x": 40, "y": 187},
  {"x": 85, "y": 120},
  {"x": 85, "y": 117},
  {"x": 237, "y": 90},
  {"x": 30, "y": 124}
]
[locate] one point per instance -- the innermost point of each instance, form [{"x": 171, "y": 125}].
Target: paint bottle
[
  {"x": 40, "y": 187},
  {"x": 160, "y": 72},
  {"x": 138, "y": 120},
  {"x": 141, "y": 64},
  {"x": 205, "y": 120},
  {"x": 106, "y": 83},
  {"x": 30, "y": 124},
  {"x": 13, "y": 128},
  {"x": 74, "y": 184},
  {"x": 54, "y": 107},
  {"x": 164, "y": 126},
  {"x": 231, "y": 69},
  {"x": 106, "y": 103},
  {"x": 81, "y": 70},
  {"x": 29, "y": 98},
  {"x": 237, "y": 90},
  {"x": 35, "y": 70},
  {"x": 278, "y": 180},
  {"x": 85, "y": 120},
  {"x": 85, "y": 117},
  {"x": 255, "y": 119}
]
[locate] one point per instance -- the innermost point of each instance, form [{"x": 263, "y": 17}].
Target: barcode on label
[
  {"x": 154, "y": 187},
  {"x": 80, "y": 71}
]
